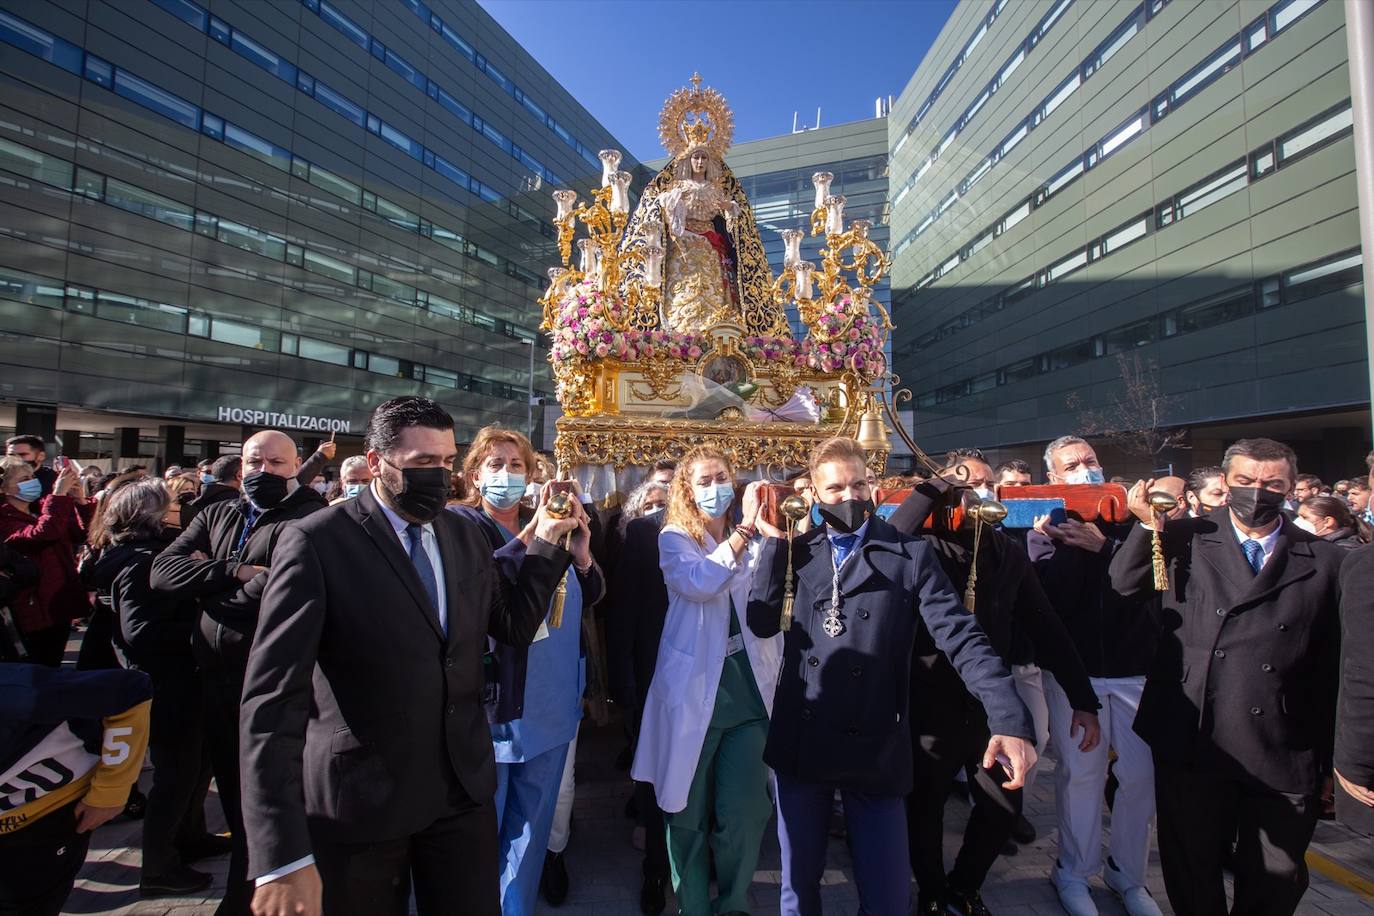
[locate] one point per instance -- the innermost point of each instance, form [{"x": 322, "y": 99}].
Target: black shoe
[
  {"x": 553, "y": 883},
  {"x": 207, "y": 847},
  {"x": 651, "y": 896},
  {"x": 137, "y": 804},
  {"x": 931, "y": 906},
  {"x": 1023, "y": 831},
  {"x": 968, "y": 903},
  {"x": 176, "y": 883}
]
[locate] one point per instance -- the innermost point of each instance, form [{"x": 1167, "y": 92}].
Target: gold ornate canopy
[{"x": 696, "y": 117}]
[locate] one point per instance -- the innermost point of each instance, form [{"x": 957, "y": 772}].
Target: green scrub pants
[{"x": 728, "y": 801}]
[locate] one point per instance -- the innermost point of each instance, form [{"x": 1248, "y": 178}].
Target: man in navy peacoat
[{"x": 840, "y": 717}]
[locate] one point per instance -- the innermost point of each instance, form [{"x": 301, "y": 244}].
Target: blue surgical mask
[
  {"x": 207, "y": 479},
  {"x": 1085, "y": 475},
  {"x": 351, "y": 490},
  {"x": 714, "y": 499},
  {"x": 31, "y": 490},
  {"x": 503, "y": 489},
  {"x": 816, "y": 520}
]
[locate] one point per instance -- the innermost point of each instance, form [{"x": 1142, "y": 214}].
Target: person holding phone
[
  {"x": 705, "y": 717},
  {"x": 535, "y": 715}
]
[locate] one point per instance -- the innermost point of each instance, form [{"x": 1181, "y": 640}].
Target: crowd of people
[{"x": 383, "y": 667}]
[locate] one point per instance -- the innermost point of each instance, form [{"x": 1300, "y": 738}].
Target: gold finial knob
[
  {"x": 1162, "y": 502},
  {"x": 795, "y": 508},
  {"x": 559, "y": 506},
  {"x": 990, "y": 511},
  {"x": 695, "y": 80}
]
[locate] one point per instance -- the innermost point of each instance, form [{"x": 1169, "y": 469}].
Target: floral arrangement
[{"x": 586, "y": 327}]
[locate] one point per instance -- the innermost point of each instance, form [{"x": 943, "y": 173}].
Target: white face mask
[
  {"x": 1305, "y": 525},
  {"x": 983, "y": 492},
  {"x": 1084, "y": 475}
]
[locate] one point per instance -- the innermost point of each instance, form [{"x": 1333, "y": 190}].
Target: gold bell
[
  {"x": 990, "y": 511},
  {"x": 795, "y": 509},
  {"x": 1162, "y": 502},
  {"x": 873, "y": 433},
  {"x": 559, "y": 506}
]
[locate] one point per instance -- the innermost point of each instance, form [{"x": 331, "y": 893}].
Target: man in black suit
[
  {"x": 367, "y": 761},
  {"x": 639, "y": 604},
  {"x": 1239, "y": 705},
  {"x": 1354, "y": 757}
]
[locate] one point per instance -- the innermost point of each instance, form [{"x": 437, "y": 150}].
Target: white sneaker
[
  {"x": 1136, "y": 898},
  {"x": 1074, "y": 896}
]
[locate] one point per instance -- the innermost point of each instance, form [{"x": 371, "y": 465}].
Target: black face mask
[
  {"x": 264, "y": 488},
  {"x": 423, "y": 493},
  {"x": 1255, "y": 507},
  {"x": 847, "y": 515}
]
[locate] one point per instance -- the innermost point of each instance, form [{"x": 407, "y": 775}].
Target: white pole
[
  {"x": 1359, "y": 43},
  {"x": 529, "y": 399}
]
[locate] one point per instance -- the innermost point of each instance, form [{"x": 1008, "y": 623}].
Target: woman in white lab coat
[{"x": 706, "y": 716}]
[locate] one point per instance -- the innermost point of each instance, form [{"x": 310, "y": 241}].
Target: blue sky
[{"x": 622, "y": 58}]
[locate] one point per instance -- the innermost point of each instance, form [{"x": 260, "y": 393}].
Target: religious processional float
[{"x": 671, "y": 330}]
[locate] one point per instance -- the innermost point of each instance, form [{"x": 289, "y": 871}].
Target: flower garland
[{"x": 585, "y": 327}]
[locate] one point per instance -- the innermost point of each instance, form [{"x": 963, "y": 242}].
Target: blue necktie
[
  {"x": 843, "y": 544},
  {"x": 420, "y": 557},
  {"x": 1254, "y": 552}
]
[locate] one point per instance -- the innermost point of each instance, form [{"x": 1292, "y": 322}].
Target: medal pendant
[{"x": 832, "y": 627}]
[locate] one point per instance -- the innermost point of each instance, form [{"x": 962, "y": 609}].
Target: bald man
[
  {"x": 221, "y": 562},
  {"x": 1175, "y": 487}
]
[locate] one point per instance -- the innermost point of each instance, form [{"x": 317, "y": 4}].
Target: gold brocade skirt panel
[{"x": 694, "y": 291}]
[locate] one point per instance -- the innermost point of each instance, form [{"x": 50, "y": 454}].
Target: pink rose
[
  {"x": 602, "y": 349},
  {"x": 582, "y": 347},
  {"x": 694, "y": 351}
]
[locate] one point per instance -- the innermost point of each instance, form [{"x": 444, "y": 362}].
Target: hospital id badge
[{"x": 735, "y": 644}]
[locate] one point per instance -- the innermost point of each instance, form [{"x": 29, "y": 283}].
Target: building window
[
  {"x": 1317, "y": 133},
  {"x": 1222, "y": 184},
  {"x": 159, "y": 100}
]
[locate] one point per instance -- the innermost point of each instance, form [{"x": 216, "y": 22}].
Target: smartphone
[{"x": 61, "y": 463}]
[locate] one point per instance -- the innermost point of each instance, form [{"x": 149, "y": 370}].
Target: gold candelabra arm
[{"x": 818, "y": 219}]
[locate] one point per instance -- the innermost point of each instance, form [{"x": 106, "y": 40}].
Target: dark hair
[
  {"x": 956, "y": 455},
  {"x": 1197, "y": 480},
  {"x": 397, "y": 414},
  {"x": 1359, "y": 483},
  {"x": 664, "y": 464},
  {"x": 1330, "y": 507},
  {"x": 134, "y": 467},
  {"x": 131, "y": 510},
  {"x": 34, "y": 442},
  {"x": 1261, "y": 450},
  {"x": 226, "y": 467},
  {"x": 104, "y": 481},
  {"x": 1012, "y": 464},
  {"x": 1312, "y": 480}
]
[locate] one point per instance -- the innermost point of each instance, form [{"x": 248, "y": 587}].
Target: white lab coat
[{"x": 682, "y": 696}]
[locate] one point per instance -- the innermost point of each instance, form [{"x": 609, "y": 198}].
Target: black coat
[
  {"x": 1009, "y": 599},
  {"x": 215, "y": 532},
  {"x": 1354, "y": 755},
  {"x": 1244, "y": 685},
  {"x": 209, "y": 495},
  {"x": 1115, "y": 635},
  {"x": 841, "y": 711},
  {"x": 359, "y": 713},
  {"x": 154, "y": 628},
  {"x": 638, "y": 606}
]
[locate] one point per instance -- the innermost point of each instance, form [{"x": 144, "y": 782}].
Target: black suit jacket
[
  {"x": 840, "y": 714},
  {"x": 638, "y": 607},
  {"x": 359, "y": 714},
  {"x": 1355, "y": 718},
  {"x": 1008, "y": 596},
  {"x": 1244, "y": 681}
]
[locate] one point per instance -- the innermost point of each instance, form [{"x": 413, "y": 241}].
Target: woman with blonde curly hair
[{"x": 706, "y": 715}]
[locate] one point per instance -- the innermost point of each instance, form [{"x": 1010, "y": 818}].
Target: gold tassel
[
  {"x": 970, "y": 591},
  {"x": 794, "y": 509},
  {"x": 561, "y": 595},
  {"x": 1161, "y": 569}
]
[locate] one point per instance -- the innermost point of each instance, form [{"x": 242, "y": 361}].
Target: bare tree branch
[{"x": 1133, "y": 422}]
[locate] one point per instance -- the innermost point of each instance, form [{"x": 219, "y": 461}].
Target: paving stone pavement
[{"x": 605, "y": 866}]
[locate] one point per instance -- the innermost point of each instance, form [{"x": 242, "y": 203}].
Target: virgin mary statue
[{"x": 714, "y": 266}]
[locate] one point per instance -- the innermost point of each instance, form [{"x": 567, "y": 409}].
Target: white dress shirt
[
  {"x": 1266, "y": 543},
  {"x": 430, "y": 541}
]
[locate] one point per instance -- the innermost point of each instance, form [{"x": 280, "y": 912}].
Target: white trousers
[
  {"x": 1032, "y": 693},
  {"x": 1080, "y": 778},
  {"x": 562, "y": 812}
]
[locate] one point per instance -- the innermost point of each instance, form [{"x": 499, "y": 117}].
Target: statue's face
[{"x": 698, "y": 160}]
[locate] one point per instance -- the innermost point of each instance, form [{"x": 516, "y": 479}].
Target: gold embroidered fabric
[{"x": 694, "y": 284}]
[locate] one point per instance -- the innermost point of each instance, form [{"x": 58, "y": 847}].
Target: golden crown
[{"x": 693, "y": 118}]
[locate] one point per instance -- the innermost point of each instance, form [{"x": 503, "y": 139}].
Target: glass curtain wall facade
[
  {"x": 248, "y": 212},
  {"x": 1076, "y": 184},
  {"x": 776, "y": 174}
]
